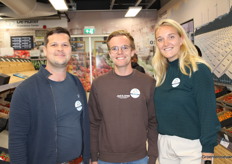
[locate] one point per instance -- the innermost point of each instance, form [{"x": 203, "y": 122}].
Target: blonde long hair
[{"x": 188, "y": 55}]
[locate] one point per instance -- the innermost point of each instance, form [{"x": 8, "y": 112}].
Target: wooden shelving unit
[{"x": 12, "y": 68}]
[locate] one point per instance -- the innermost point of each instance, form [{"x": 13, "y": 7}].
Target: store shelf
[
  {"x": 15, "y": 81},
  {"x": 229, "y": 86},
  {"x": 9, "y": 86},
  {"x": 225, "y": 136},
  {"x": 4, "y": 151}
]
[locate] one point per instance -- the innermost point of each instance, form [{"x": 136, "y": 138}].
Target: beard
[{"x": 56, "y": 64}]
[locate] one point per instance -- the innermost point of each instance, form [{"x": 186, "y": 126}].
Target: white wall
[
  {"x": 105, "y": 22},
  {"x": 216, "y": 44},
  {"x": 10, "y": 28},
  {"x": 201, "y": 11}
]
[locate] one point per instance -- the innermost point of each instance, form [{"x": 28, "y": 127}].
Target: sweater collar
[
  {"x": 115, "y": 74},
  {"x": 174, "y": 63},
  {"x": 44, "y": 72}
]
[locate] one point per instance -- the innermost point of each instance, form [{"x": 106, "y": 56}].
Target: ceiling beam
[
  {"x": 138, "y": 2},
  {"x": 112, "y": 4},
  {"x": 150, "y": 3}
]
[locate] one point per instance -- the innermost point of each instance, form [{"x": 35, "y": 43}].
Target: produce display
[
  {"x": 80, "y": 66},
  {"x": 217, "y": 90},
  {"x": 21, "y": 54},
  {"x": 5, "y": 105},
  {"x": 224, "y": 115},
  {"x": 226, "y": 98},
  {"x": 4, "y": 157},
  {"x": 38, "y": 63},
  {"x": 25, "y": 54},
  {"x": 229, "y": 130},
  {"x": 5, "y": 111},
  {"x": 218, "y": 110}
]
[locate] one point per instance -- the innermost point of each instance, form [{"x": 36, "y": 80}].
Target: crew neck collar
[{"x": 114, "y": 73}]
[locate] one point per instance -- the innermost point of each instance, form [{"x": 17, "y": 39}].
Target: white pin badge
[
  {"x": 78, "y": 105},
  {"x": 135, "y": 93},
  {"x": 176, "y": 82}
]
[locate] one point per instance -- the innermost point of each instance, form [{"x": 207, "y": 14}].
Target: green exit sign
[{"x": 89, "y": 30}]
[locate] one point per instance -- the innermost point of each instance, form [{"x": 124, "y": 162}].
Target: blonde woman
[{"x": 184, "y": 98}]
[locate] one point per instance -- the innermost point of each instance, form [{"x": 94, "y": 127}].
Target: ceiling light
[
  {"x": 59, "y": 5},
  {"x": 133, "y": 11}
]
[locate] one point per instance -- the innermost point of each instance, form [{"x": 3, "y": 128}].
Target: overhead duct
[{"x": 23, "y": 9}]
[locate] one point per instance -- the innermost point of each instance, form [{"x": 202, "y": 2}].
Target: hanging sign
[{"x": 89, "y": 30}]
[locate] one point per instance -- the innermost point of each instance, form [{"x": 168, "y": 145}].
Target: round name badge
[
  {"x": 135, "y": 93},
  {"x": 78, "y": 105},
  {"x": 176, "y": 82}
]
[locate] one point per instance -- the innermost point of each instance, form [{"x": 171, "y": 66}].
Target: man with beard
[{"x": 49, "y": 118}]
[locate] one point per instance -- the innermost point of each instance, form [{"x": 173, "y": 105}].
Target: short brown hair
[
  {"x": 121, "y": 33},
  {"x": 57, "y": 30}
]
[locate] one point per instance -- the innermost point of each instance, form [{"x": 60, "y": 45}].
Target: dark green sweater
[{"x": 186, "y": 106}]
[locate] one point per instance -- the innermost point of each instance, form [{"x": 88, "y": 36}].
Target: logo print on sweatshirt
[
  {"x": 123, "y": 96},
  {"x": 176, "y": 82},
  {"x": 135, "y": 93},
  {"x": 78, "y": 105}
]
